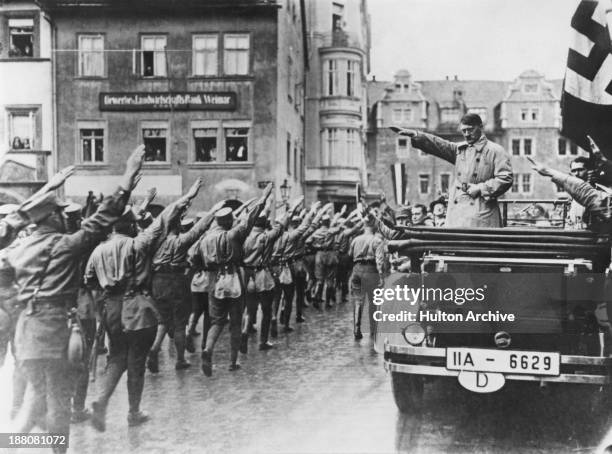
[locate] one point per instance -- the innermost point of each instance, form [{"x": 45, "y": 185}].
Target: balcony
[
  {"x": 340, "y": 105},
  {"x": 340, "y": 38}
]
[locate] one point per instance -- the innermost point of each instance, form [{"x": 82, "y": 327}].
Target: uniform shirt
[
  {"x": 10, "y": 226},
  {"x": 173, "y": 250},
  {"x": 259, "y": 245},
  {"x": 222, "y": 247},
  {"x": 484, "y": 164},
  {"x": 61, "y": 252},
  {"x": 123, "y": 261},
  {"x": 322, "y": 239},
  {"x": 48, "y": 262},
  {"x": 597, "y": 204},
  {"x": 364, "y": 246},
  {"x": 291, "y": 242},
  {"x": 343, "y": 238},
  {"x": 387, "y": 232}
]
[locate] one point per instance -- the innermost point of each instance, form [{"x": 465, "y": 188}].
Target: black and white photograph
[{"x": 305, "y": 226}]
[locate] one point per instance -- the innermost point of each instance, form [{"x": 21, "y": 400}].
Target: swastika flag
[
  {"x": 400, "y": 182},
  {"x": 586, "y": 105}
]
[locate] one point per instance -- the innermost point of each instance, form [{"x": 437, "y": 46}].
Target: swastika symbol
[{"x": 582, "y": 22}]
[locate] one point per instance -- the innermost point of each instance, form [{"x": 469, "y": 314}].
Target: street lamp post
[{"x": 285, "y": 190}]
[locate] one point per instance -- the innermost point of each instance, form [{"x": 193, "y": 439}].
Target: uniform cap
[
  {"x": 73, "y": 208},
  {"x": 296, "y": 220},
  {"x": 41, "y": 207},
  {"x": 129, "y": 215},
  {"x": 187, "y": 222},
  {"x": 403, "y": 212},
  {"x": 224, "y": 214}
]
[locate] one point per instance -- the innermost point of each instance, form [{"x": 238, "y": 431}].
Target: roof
[
  {"x": 475, "y": 93},
  {"x": 376, "y": 91}
]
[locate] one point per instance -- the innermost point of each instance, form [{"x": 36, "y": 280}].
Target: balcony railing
[{"x": 340, "y": 38}]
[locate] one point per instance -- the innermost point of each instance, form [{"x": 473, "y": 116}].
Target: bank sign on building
[{"x": 208, "y": 88}]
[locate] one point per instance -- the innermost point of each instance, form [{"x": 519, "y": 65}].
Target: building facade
[
  {"x": 212, "y": 89},
  {"x": 26, "y": 95},
  {"x": 523, "y": 116},
  {"x": 336, "y": 99}
]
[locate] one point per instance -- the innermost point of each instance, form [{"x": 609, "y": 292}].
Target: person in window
[
  {"x": 26, "y": 144},
  {"x": 17, "y": 144},
  {"x": 483, "y": 172}
]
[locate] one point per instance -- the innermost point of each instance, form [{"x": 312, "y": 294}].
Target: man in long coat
[{"x": 482, "y": 173}]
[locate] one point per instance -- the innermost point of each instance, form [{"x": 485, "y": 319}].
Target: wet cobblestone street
[{"x": 319, "y": 391}]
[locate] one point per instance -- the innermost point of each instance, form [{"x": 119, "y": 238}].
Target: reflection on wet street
[{"x": 321, "y": 392}]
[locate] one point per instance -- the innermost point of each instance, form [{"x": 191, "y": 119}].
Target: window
[
  {"x": 153, "y": 56},
  {"x": 444, "y": 182},
  {"x": 288, "y": 154},
  {"x": 515, "y": 184},
  {"x": 333, "y": 83},
  {"x": 526, "y": 183},
  {"x": 403, "y": 148},
  {"x": 351, "y": 78},
  {"x": 22, "y": 129},
  {"x": 531, "y": 115},
  {"x": 91, "y": 55},
  {"x": 480, "y": 111},
  {"x": 21, "y": 36},
  {"x": 527, "y": 147},
  {"x": 155, "y": 143},
  {"x": 92, "y": 145},
  {"x": 236, "y": 144},
  {"x": 562, "y": 146},
  {"x": 449, "y": 115},
  {"x": 523, "y": 146},
  {"x": 521, "y": 183},
  {"x": 236, "y": 54},
  {"x": 290, "y": 86},
  {"x": 402, "y": 115},
  {"x": 332, "y": 145},
  {"x": 516, "y": 147},
  {"x": 205, "y": 144},
  {"x": 423, "y": 183},
  {"x": 337, "y": 17},
  {"x": 573, "y": 149},
  {"x": 351, "y": 148},
  {"x": 205, "y": 55},
  {"x": 295, "y": 161}
]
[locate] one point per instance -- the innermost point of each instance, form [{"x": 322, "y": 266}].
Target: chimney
[
  {"x": 373, "y": 78},
  {"x": 456, "y": 78},
  {"x": 446, "y": 77}
]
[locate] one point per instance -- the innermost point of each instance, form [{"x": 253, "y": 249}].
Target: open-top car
[{"x": 488, "y": 306}]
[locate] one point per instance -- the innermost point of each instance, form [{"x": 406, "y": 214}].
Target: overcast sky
[{"x": 474, "y": 39}]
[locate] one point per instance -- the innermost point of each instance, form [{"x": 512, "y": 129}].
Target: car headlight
[{"x": 414, "y": 334}]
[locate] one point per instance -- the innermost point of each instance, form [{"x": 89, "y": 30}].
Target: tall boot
[
  {"x": 317, "y": 296},
  {"x": 329, "y": 295},
  {"x": 357, "y": 321}
]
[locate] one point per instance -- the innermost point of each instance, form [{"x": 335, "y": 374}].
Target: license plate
[{"x": 505, "y": 361}]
